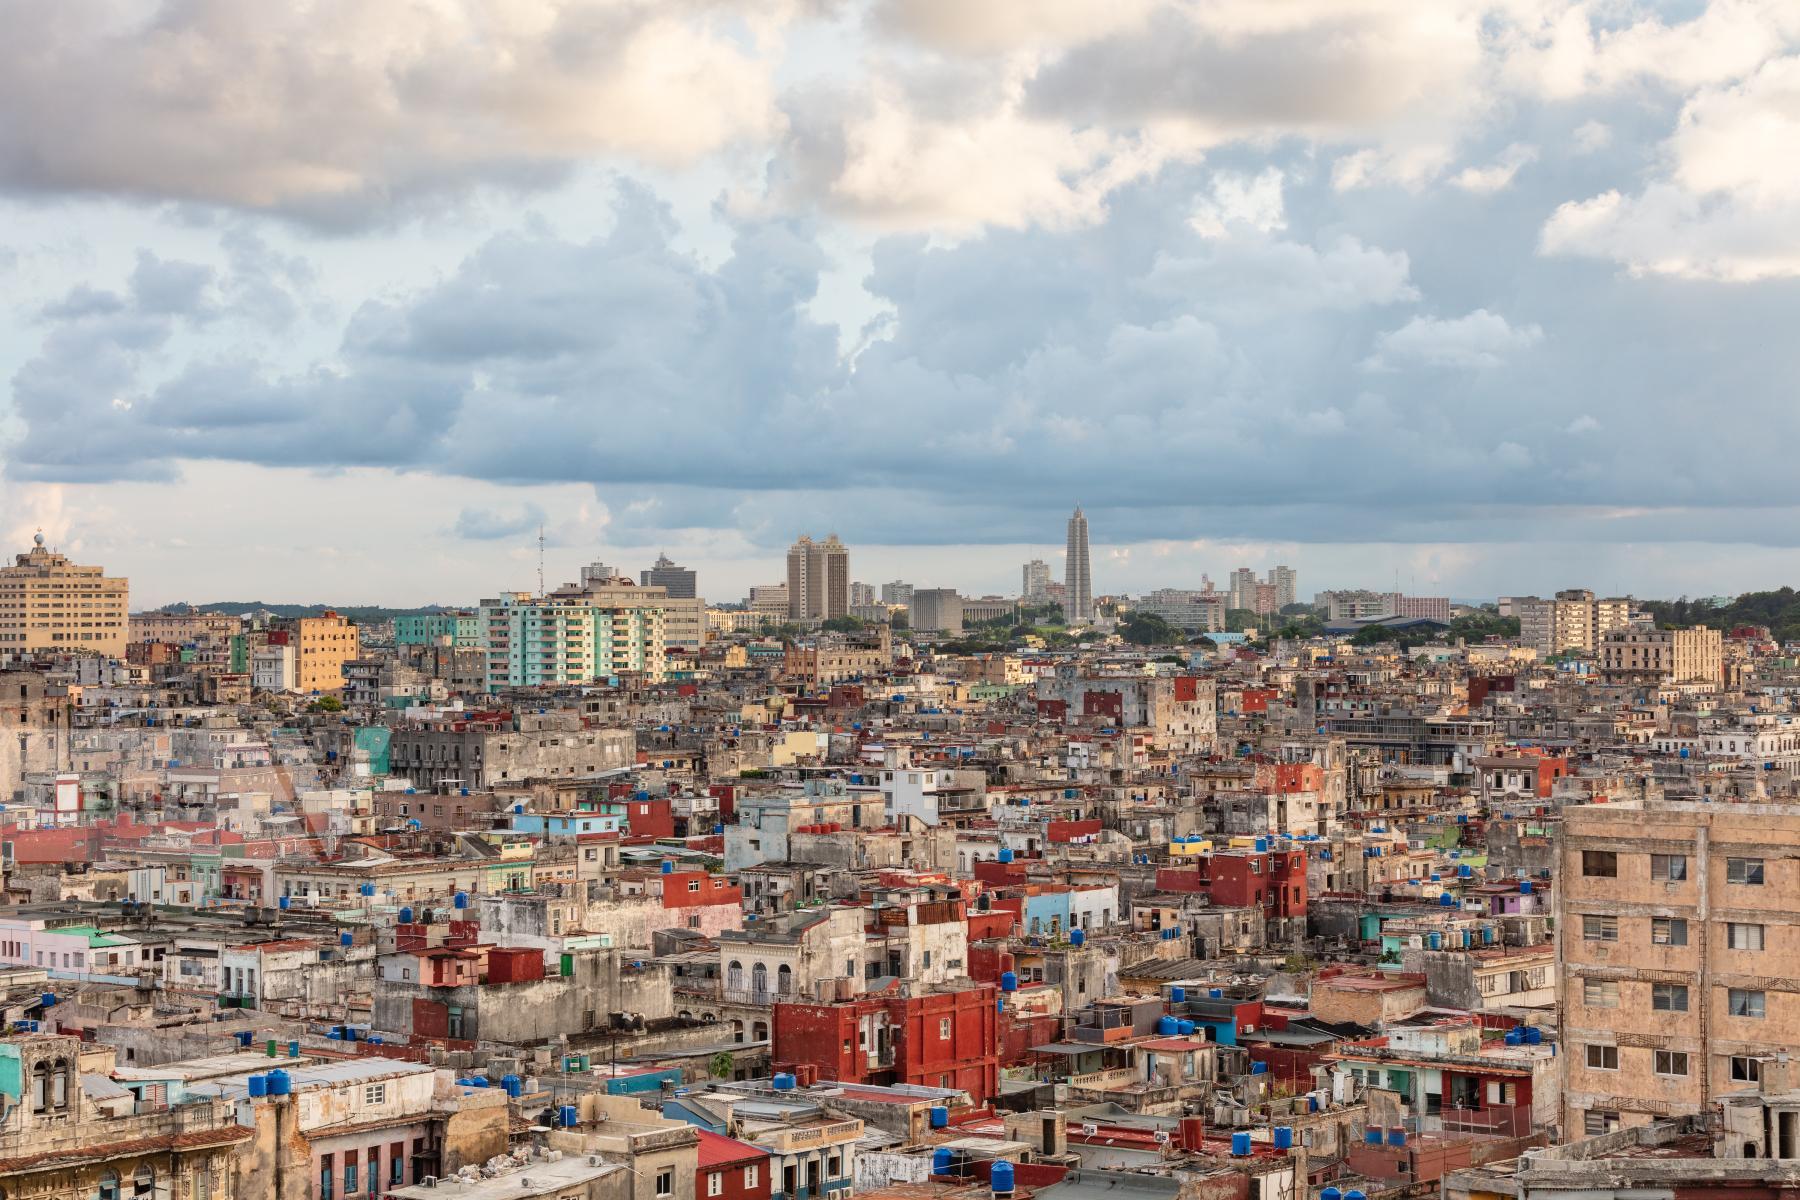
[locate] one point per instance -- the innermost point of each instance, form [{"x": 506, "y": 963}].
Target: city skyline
[{"x": 1479, "y": 341}]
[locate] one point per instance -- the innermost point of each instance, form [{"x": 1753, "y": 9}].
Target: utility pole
[{"x": 540, "y": 559}]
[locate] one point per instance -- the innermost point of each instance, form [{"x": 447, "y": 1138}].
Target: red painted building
[
  {"x": 730, "y": 1170},
  {"x": 1274, "y": 881},
  {"x": 942, "y": 1039}
]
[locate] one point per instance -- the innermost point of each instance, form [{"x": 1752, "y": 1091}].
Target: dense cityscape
[{"x": 611, "y": 892}]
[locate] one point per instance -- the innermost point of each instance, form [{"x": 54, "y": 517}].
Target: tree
[
  {"x": 1239, "y": 619},
  {"x": 1148, "y": 629},
  {"x": 1297, "y": 610},
  {"x": 844, "y": 624},
  {"x": 721, "y": 1065},
  {"x": 326, "y": 704}
]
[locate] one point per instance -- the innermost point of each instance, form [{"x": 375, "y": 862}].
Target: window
[
  {"x": 1597, "y": 1121},
  {"x": 350, "y": 1171},
  {"x": 1745, "y": 1069},
  {"x": 1744, "y": 870},
  {"x": 1600, "y": 929},
  {"x": 1741, "y": 1003},
  {"x": 1602, "y": 1058},
  {"x": 1599, "y": 864},
  {"x": 1600, "y": 993},
  {"x": 1669, "y": 997},
  {"x": 693, "y": 885},
  {"x": 1671, "y": 1062},
  {"x": 375, "y": 1093},
  {"x": 928, "y": 960},
  {"x": 944, "y": 1028},
  {"x": 1745, "y": 937},
  {"x": 750, "y": 1177},
  {"x": 665, "y": 1183},
  {"x": 715, "y": 1183},
  {"x": 1668, "y": 931},
  {"x": 1670, "y": 868}
]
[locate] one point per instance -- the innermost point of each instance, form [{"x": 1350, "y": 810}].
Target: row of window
[
  {"x": 1671, "y": 931},
  {"x": 1664, "y": 1062},
  {"x": 1673, "y": 997},
  {"x": 1604, "y": 864}
]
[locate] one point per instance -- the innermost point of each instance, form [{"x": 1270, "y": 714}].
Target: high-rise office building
[
  {"x": 818, "y": 579},
  {"x": 1036, "y": 582},
  {"x": 897, "y": 592},
  {"x": 862, "y": 594},
  {"x": 1287, "y": 585},
  {"x": 50, "y": 603},
  {"x": 937, "y": 610},
  {"x": 1574, "y": 620},
  {"x": 678, "y": 581},
  {"x": 1078, "y": 581},
  {"x": 1242, "y": 593}
]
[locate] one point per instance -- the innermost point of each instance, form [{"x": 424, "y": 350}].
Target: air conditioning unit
[
  {"x": 1089, "y": 1129},
  {"x": 1162, "y": 1137}
]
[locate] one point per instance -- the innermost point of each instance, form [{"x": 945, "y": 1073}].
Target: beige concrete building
[
  {"x": 48, "y": 603},
  {"x": 818, "y": 579},
  {"x": 1640, "y": 654},
  {"x": 191, "y": 627},
  {"x": 1678, "y": 925},
  {"x": 1574, "y": 620},
  {"x": 322, "y": 645}
]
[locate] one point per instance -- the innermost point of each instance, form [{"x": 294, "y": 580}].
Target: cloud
[
  {"x": 1728, "y": 205},
  {"x": 1238, "y": 200},
  {"x": 343, "y": 114},
  {"x": 1498, "y": 174},
  {"x": 1480, "y": 340},
  {"x": 492, "y": 525}
]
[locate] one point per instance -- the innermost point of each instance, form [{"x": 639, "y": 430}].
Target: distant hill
[
  {"x": 361, "y": 614},
  {"x": 1779, "y": 610}
]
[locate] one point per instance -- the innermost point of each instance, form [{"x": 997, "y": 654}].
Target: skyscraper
[
  {"x": 1078, "y": 582},
  {"x": 861, "y": 594},
  {"x": 818, "y": 579},
  {"x": 679, "y": 581},
  {"x": 1037, "y": 581},
  {"x": 1287, "y": 585},
  {"x": 55, "y": 605},
  {"x": 1243, "y": 589}
]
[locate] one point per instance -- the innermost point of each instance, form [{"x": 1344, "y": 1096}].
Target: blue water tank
[
  {"x": 1177, "y": 995},
  {"x": 280, "y": 1082},
  {"x": 406, "y": 916},
  {"x": 940, "y": 1116},
  {"x": 1372, "y": 1135},
  {"x": 259, "y": 1086},
  {"x": 1533, "y": 1035},
  {"x": 1524, "y": 887},
  {"x": 718, "y": 829},
  {"x": 1446, "y": 900},
  {"x": 1001, "y": 1178},
  {"x": 47, "y": 999},
  {"x": 1216, "y": 993},
  {"x": 244, "y": 1037},
  {"x": 1009, "y": 981},
  {"x": 1006, "y": 854},
  {"x": 1262, "y": 845},
  {"x": 1078, "y": 937},
  {"x": 784, "y": 1082},
  {"x": 668, "y": 868},
  {"x": 294, "y": 1048},
  {"x": 1284, "y": 1137},
  {"x": 1240, "y": 1145},
  {"x": 567, "y": 1116},
  {"x": 1259, "y": 1068},
  {"x": 1464, "y": 871},
  {"x": 1185, "y": 1028},
  {"x": 1434, "y": 941},
  {"x": 460, "y": 900},
  {"x": 512, "y": 1084},
  {"x": 1167, "y": 1026},
  {"x": 1487, "y": 934},
  {"x": 1515, "y": 1036},
  {"x": 1397, "y": 1135},
  {"x": 346, "y": 938},
  {"x": 1000, "y": 1004},
  {"x": 1435, "y": 877},
  {"x": 478, "y": 1081},
  {"x": 1355, "y": 1194},
  {"x": 1331, "y": 1193},
  {"x": 941, "y": 1160},
  {"x": 283, "y": 903},
  {"x": 368, "y": 889}
]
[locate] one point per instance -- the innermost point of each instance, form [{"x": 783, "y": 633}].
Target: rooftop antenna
[{"x": 540, "y": 558}]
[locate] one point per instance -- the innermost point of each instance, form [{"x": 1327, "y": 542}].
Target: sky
[{"x": 340, "y": 302}]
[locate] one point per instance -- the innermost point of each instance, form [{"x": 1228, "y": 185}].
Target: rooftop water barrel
[
  {"x": 1434, "y": 941},
  {"x": 1185, "y": 1028},
  {"x": 346, "y": 938},
  {"x": 283, "y": 903},
  {"x": 280, "y": 1082},
  {"x": 668, "y": 868},
  {"x": 1009, "y": 981},
  {"x": 461, "y": 900},
  {"x": 1355, "y": 1194},
  {"x": 259, "y": 1086},
  {"x": 1331, "y": 1193},
  {"x": 566, "y": 1116},
  {"x": 294, "y": 1048},
  {"x": 1284, "y": 1137},
  {"x": 941, "y": 1158},
  {"x": 1177, "y": 995},
  {"x": 1372, "y": 1135},
  {"x": 1006, "y": 854},
  {"x": 1533, "y": 1035},
  {"x": 1078, "y": 937},
  {"x": 1259, "y": 1068},
  {"x": 1216, "y": 993},
  {"x": 1240, "y": 1145},
  {"x": 784, "y": 1082},
  {"x": 1397, "y": 1135},
  {"x": 1001, "y": 1178},
  {"x": 512, "y": 1084},
  {"x": 406, "y": 916},
  {"x": 1168, "y": 1026},
  {"x": 1446, "y": 900},
  {"x": 1524, "y": 887},
  {"x": 940, "y": 1116},
  {"x": 1515, "y": 1036}
]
